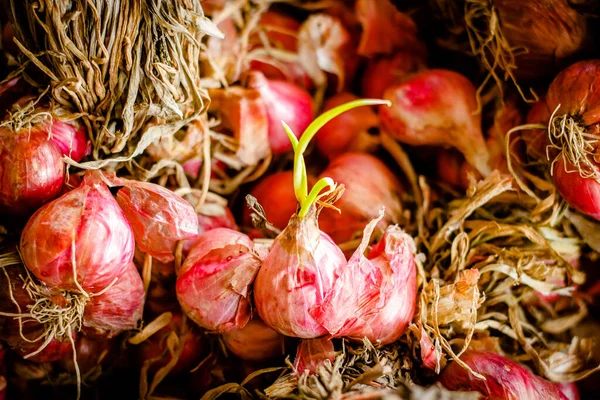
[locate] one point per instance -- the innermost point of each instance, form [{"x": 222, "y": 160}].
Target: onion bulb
[
  {"x": 284, "y": 101},
  {"x": 254, "y": 342},
  {"x": 81, "y": 240},
  {"x": 369, "y": 185},
  {"x": 504, "y": 379},
  {"x": 437, "y": 108},
  {"x": 213, "y": 284},
  {"x": 349, "y": 131},
  {"x": 31, "y": 170},
  {"x": 382, "y": 73},
  {"x": 312, "y": 354}
]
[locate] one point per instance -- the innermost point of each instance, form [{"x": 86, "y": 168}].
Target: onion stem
[{"x": 306, "y": 199}]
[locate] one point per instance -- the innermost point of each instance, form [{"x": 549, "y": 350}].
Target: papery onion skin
[
  {"x": 369, "y": 185},
  {"x": 375, "y": 296},
  {"x": 118, "y": 309},
  {"x": 275, "y": 193},
  {"x": 284, "y": 101},
  {"x": 437, "y": 107},
  {"x": 156, "y": 347},
  {"x": 536, "y": 140},
  {"x": 71, "y": 139},
  {"x": 312, "y": 353},
  {"x": 87, "y": 220},
  {"x": 213, "y": 285},
  {"x": 505, "y": 379},
  {"x": 385, "y": 29},
  {"x": 386, "y": 72},
  {"x": 254, "y": 342},
  {"x": 583, "y": 194},
  {"x": 569, "y": 390},
  {"x": 31, "y": 171},
  {"x": 158, "y": 217},
  {"x": 299, "y": 270},
  {"x": 348, "y": 132}
]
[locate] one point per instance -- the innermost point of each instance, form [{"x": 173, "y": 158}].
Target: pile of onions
[
  {"x": 504, "y": 379},
  {"x": 439, "y": 108}
]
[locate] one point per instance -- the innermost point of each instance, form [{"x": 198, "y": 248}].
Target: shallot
[{"x": 254, "y": 342}]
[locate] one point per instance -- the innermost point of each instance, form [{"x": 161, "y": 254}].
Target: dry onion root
[{"x": 118, "y": 65}]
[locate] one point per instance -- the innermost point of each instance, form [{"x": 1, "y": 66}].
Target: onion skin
[
  {"x": 369, "y": 185},
  {"x": 254, "y": 342},
  {"x": 437, "y": 107},
  {"x": 583, "y": 194},
  {"x": 284, "y": 101},
  {"x": 214, "y": 282},
  {"x": 71, "y": 139},
  {"x": 313, "y": 353},
  {"x": 91, "y": 220},
  {"x": 375, "y": 296},
  {"x": 299, "y": 270},
  {"x": 275, "y": 193},
  {"x": 385, "y": 29},
  {"x": 550, "y": 30},
  {"x": 158, "y": 217},
  {"x": 349, "y": 131},
  {"x": 385, "y": 72},
  {"x": 569, "y": 390},
  {"x": 536, "y": 140},
  {"x": 118, "y": 309},
  {"x": 452, "y": 168},
  {"x": 31, "y": 171},
  {"x": 505, "y": 379}
]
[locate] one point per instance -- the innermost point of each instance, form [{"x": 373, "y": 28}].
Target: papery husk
[{"x": 120, "y": 66}]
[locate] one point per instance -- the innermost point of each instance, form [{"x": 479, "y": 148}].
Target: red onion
[
  {"x": 311, "y": 354},
  {"x": 158, "y": 217},
  {"x": 92, "y": 355},
  {"x": 504, "y": 379},
  {"x": 31, "y": 171},
  {"x": 375, "y": 296},
  {"x": 574, "y": 101},
  {"x": 294, "y": 278},
  {"x": 275, "y": 193},
  {"x": 349, "y": 131},
  {"x": 536, "y": 140},
  {"x": 88, "y": 246},
  {"x": 385, "y": 29},
  {"x": 385, "y": 72},
  {"x": 369, "y": 185},
  {"x": 284, "y": 101},
  {"x": 214, "y": 281},
  {"x": 23, "y": 334},
  {"x": 154, "y": 351},
  {"x": 243, "y": 113},
  {"x": 254, "y": 342},
  {"x": 437, "y": 107},
  {"x": 71, "y": 139},
  {"x": 221, "y": 219},
  {"x": 569, "y": 390},
  {"x": 452, "y": 168},
  {"x": 281, "y": 31},
  {"x": 118, "y": 309}
]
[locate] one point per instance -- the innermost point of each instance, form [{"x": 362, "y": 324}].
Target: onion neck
[{"x": 305, "y": 198}]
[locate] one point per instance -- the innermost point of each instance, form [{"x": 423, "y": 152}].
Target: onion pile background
[{"x": 300, "y": 199}]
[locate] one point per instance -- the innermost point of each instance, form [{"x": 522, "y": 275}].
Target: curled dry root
[
  {"x": 576, "y": 146},
  {"x": 493, "y": 49}
]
